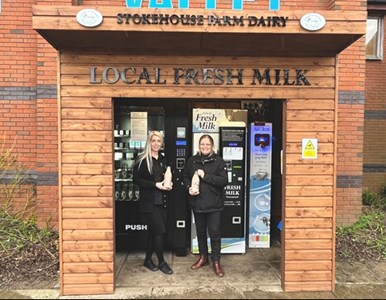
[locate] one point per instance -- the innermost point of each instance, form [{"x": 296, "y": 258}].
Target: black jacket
[
  {"x": 211, "y": 197},
  {"x": 146, "y": 183}
]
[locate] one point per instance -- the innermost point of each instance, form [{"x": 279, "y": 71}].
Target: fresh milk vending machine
[
  {"x": 133, "y": 120},
  {"x": 260, "y": 185},
  {"x": 227, "y": 127}
]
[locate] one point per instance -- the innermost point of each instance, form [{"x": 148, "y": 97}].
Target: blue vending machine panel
[{"x": 260, "y": 185}]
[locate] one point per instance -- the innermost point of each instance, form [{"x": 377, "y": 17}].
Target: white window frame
[{"x": 379, "y": 47}]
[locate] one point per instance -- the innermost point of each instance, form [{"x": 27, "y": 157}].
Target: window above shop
[{"x": 374, "y": 38}]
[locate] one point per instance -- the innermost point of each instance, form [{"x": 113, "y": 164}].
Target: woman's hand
[
  {"x": 160, "y": 185},
  {"x": 193, "y": 192}
]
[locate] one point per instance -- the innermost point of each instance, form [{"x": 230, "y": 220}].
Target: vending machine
[
  {"x": 232, "y": 150},
  {"x": 228, "y": 130},
  {"x": 133, "y": 120},
  {"x": 260, "y": 185},
  {"x": 132, "y": 124}
]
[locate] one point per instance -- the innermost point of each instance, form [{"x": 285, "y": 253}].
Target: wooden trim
[
  {"x": 335, "y": 173},
  {"x": 60, "y": 195}
]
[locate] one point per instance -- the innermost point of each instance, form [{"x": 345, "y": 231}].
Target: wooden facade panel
[
  {"x": 110, "y": 24},
  {"x": 296, "y": 158},
  {"x": 88, "y": 246},
  {"x": 309, "y": 191},
  {"x": 87, "y": 213},
  {"x": 97, "y": 146},
  {"x": 73, "y": 62},
  {"x": 232, "y": 92},
  {"x": 88, "y": 278},
  {"x": 309, "y": 180},
  {"x": 85, "y": 102},
  {"x": 87, "y": 169},
  {"x": 309, "y": 201},
  {"x": 322, "y": 169},
  {"x": 323, "y": 148},
  {"x": 307, "y": 244},
  {"x": 86, "y": 125},
  {"x": 308, "y": 103},
  {"x": 310, "y": 126},
  {"x": 315, "y": 114},
  {"x": 88, "y": 289},
  {"x": 76, "y": 257},
  {"x": 309, "y": 212},
  {"x": 308, "y": 223},
  {"x": 292, "y": 233},
  {"x": 79, "y": 234},
  {"x": 87, "y": 191},
  {"x": 298, "y": 255},
  {"x": 304, "y": 276},
  {"x": 168, "y": 80},
  {"x": 323, "y": 137},
  {"x": 86, "y": 158},
  {"x": 87, "y": 136},
  {"x": 314, "y": 265},
  {"x": 88, "y": 267},
  {"x": 86, "y": 179},
  {"x": 94, "y": 224},
  {"x": 169, "y": 68},
  {"x": 308, "y": 286},
  {"x": 85, "y": 202},
  {"x": 86, "y": 114}
]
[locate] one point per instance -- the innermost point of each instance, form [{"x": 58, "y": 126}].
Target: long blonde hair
[{"x": 146, "y": 154}]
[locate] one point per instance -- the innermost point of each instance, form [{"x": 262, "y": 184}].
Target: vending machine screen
[{"x": 261, "y": 140}]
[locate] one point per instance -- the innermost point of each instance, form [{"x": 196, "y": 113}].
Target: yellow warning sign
[{"x": 310, "y": 148}]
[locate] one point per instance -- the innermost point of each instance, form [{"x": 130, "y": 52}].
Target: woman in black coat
[
  {"x": 207, "y": 203},
  {"x": 148, "y": 174}
]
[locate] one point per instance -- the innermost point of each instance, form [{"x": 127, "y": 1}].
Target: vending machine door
[
  {"x": 229, "y": 125},
  {"x": 131, "y": 126},
  {"x": 260, "y": 185},
  {"x": 232, "y": 150},
  {"x": 133, "y": 119}
]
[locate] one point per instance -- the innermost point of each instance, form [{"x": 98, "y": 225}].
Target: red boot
[
  {"x": 202, "y": 261},
  {"x": 217, "y": 268}
]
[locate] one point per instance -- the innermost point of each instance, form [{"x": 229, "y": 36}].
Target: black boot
[
  {"x": 164, "y": 267},
  {"x": 150, "y": 265}
]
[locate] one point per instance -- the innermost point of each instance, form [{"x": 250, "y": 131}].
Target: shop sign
[
  {"x": 89, "y": 17},
  {"x": 200, "y": 76},
  {"x": 184, "y": 4},
  {"x": 199, "y": 20},
  {"x": 312, "y": 22}
]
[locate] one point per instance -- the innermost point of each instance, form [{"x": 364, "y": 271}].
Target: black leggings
[
  {"x": 210, "y": 222},
  {"x": 156, "y": 227}
]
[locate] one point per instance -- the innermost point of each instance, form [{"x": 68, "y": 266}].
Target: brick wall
[
  {"x": 28, "y": 101},
  {"x": 374, "y": 153}
]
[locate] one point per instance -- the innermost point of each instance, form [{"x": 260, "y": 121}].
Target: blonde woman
[{"x": 148, "y": 174}]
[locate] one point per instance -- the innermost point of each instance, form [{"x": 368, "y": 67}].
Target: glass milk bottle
[{"x": 195, "y": 184}]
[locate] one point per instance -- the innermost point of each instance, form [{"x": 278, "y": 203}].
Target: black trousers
[{"x": 209, "y": 223}]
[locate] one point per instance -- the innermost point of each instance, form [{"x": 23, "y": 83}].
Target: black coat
[
  {"x": 211, "y": 197},
  {"x": 146, "y": 183}
]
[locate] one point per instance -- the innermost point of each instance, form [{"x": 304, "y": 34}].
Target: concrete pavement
[{"x": 255, "y": 275}]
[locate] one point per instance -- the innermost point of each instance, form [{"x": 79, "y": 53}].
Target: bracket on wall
[
  {"x": 257, "y": 106},
  {"x": 77, "y": 2}
]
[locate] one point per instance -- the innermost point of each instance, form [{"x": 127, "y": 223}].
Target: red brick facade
[
  {"x": 28, "y": 101},
  {"x": 374, "y": 161}
]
